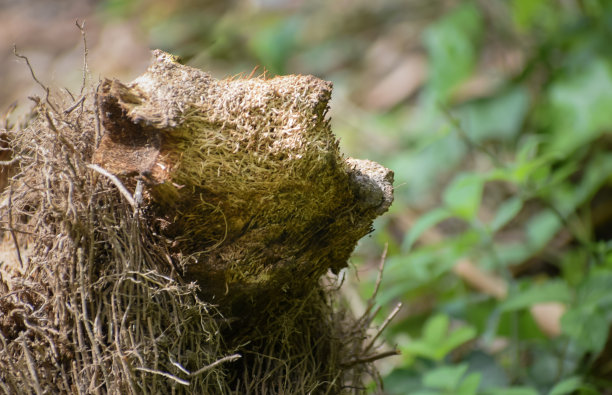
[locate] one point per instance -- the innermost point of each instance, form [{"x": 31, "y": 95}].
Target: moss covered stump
[
  {"x": 246, "y": 174},
  {"x": 171, "y": 235}
]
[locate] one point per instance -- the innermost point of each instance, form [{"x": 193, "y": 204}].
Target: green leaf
[
  {"x": 530, "y": 164},
  {"x": 541, "y": 228},
  {"x": 588, "y": 321},
  {"x": 551, "y": 291},
  {"x": 452, "y": 46},
  {"x": 597, "y": 173},
  {"x": 499, "y": 117},
  {"x": 457, "y": 338},
  {"x": 462, "y": 197},
  {"x": 425, "y": 222},
  {"x": 530, "y": 13},
  {"x": 419, "y": 348},
  {"x": 469, "y": 386},
  {"x": 573, "y": 263},
  {"x": 587, "y": 325},
  {"x": 506, "y": 212},
  {"x": 596, "y": 289},
  {"x": 528, "y": 149},
  {"x": 436, "y": 341},
  {"x": 445, "y": 377},
  {"x": 567, "y": 386},
  {"x": 581, "y": 106},
  {"x": 512, "y": 391},
  {"x": 436, "y": 328},
  {"x": 562, "y": 173},
  {"x": 535, "y": 170}
]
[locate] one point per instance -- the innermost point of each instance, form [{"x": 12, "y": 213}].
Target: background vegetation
[{"x": 495, "y": 116}]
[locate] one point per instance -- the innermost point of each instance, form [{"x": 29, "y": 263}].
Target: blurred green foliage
[
  {"x": 502, "y": 159},
  {"x": 542, "y": 174}
]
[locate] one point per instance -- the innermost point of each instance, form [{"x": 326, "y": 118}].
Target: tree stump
[
  {"x": 170, "y": 236},
  {"x": 246, "y": 175}
]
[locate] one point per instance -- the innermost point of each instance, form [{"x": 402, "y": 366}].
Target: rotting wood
[{"x": 246, "y": 171}]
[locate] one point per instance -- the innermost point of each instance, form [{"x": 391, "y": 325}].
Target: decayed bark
[{"x": 245, "y": 175}]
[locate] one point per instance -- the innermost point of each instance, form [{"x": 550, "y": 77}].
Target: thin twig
[
  {"x": 168, "y": 375},
  {"x": 81, "y": 28},
  {"x": 252, "y": 72},
  {"x": 381, "y": 266},
  {"x": 5, "y": 117},
  {"x": 372, "y": 358},
  {"x": 372, "y": 299},
  {"x": 373, "y": 313},
  {"x": 98, "y": 134},
  {"x": 180, "y": 367},
  {"x": 31, "y": 366},
  {"x": 69, "y": 93},
  {"x": 16, "y": 230},
  {"x": 229, "y": 358},
  {"x": 45, "y": 88},
  {"x": 75, "y": 105},
  {"x": 58, "y": 134},
  {"x": 8, "y": 162},
  {"x": 383, "y": 326},
  {"x": 126, "y": 194},
  {"x": 10, "y": 226}
]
